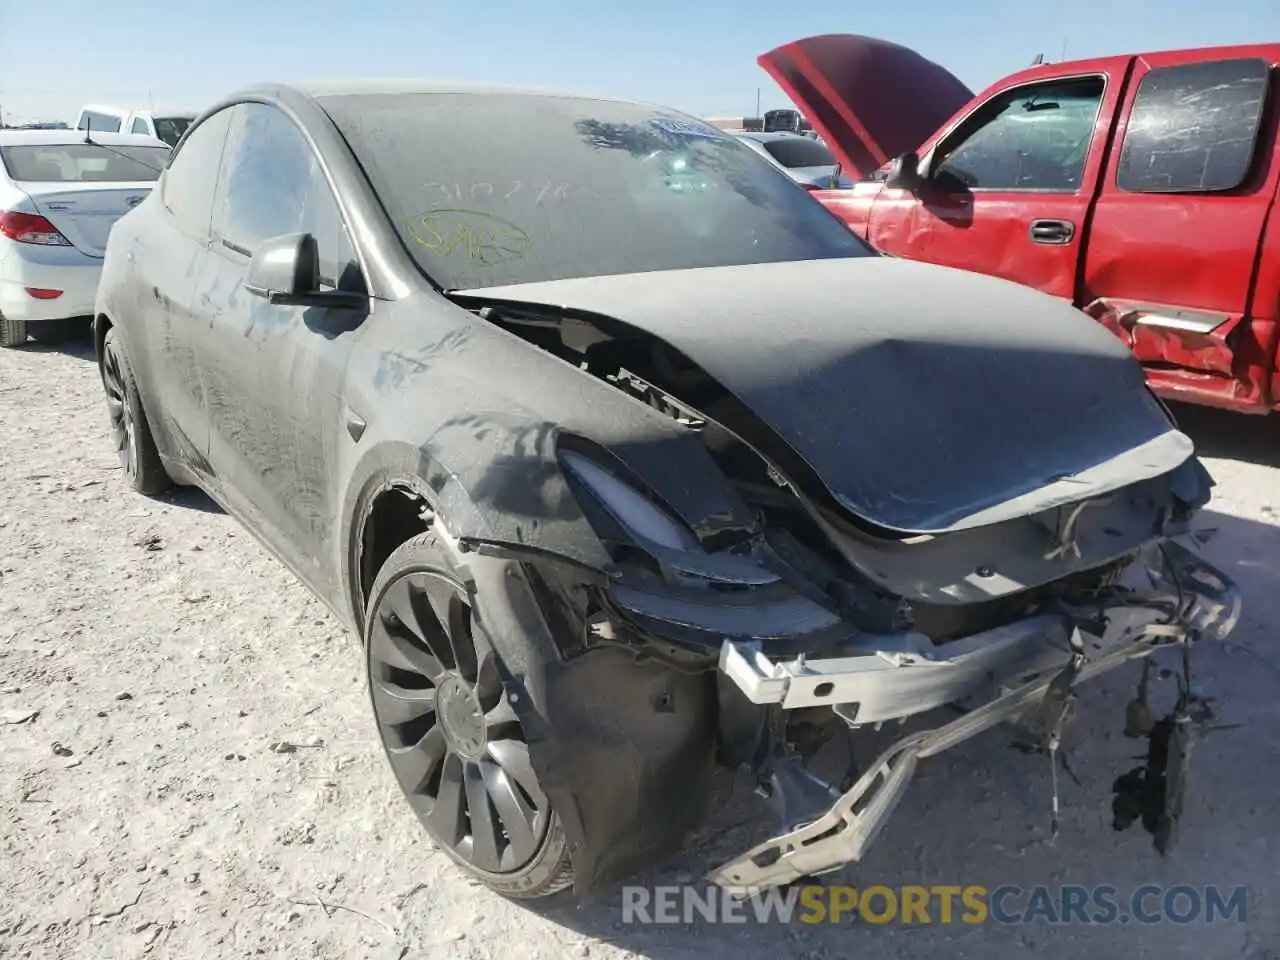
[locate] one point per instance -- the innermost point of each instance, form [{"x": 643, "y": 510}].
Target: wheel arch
[{"x": 394, "y": 491}]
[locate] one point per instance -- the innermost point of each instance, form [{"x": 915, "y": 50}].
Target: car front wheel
[
  {"x": 129, "y": 429},
  {"x": 454, "y": 742}
]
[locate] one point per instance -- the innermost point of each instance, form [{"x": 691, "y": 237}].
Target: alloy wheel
[
  {"x": 454, "y": 742},
  {"x": 123, "y": 429}
]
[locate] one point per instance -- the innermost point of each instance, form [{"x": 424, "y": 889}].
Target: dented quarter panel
[{"x": 1212, "y": 256}]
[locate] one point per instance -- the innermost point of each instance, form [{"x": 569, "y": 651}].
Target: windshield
[
  {"x": 83, "y": 162},
  {"x": 171, "y": 129},
  {"x": 799, "y": 152},
  {"x": 496, "y": 189}
]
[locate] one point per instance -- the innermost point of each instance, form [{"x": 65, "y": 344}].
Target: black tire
[
  {"x": 129, "y": 429},
  {"x": 13, "y": 333},
  {"x": 448, "y": 729}
]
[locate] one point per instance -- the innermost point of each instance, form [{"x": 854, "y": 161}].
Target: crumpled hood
[
  {"x": 925, "y": 399},
  {"x": 869, "y": 99}
]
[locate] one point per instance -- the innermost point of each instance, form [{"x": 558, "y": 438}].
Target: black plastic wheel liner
[
  {"x": 624, "y": 750},
  {"x": 634, "y": 746}
]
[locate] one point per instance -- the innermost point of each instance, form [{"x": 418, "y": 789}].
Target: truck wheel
[
  {"x": 134, "y": 443},
  {"x": 13, "y": 333},
  {"x": 454, "y": 742}
]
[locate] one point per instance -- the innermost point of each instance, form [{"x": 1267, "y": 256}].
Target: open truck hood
[
  {"x": 870, "y": 99},
  {"x": 925, "y": 399}
]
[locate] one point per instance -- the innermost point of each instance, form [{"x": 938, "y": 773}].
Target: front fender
[{"x": 515, "y": 498}]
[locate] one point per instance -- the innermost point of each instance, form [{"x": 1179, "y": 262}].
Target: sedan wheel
[
  {"x": 13, "y": 333},
  {"x": 453, "y": 739}
]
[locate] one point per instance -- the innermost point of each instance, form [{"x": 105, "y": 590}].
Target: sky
[{"x": 695, "y": 56}]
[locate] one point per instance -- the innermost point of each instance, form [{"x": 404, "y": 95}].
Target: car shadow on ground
[
  {"x": 190, "y": 498},
  {"x": 980, "y": 814},
  {"x": 73, "y": 341},
  {"x": 1231, "y": 436}
]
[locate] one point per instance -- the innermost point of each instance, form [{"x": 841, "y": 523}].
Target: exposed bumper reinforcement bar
[{"x": 1022, "y": 660}]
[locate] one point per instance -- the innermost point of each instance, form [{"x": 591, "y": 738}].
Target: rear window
[
  {"x": 83, "y": 163},
  {"x": 98, "y": 122},
  {"x": 171, "y": 129},
  {"x": 800, "y": 152}
]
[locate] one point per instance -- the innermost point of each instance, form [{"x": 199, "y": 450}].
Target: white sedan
[{"x": 60, "y": 193}]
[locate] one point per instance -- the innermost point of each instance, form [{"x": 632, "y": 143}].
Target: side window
[
  {"x": 192, "y": 175},
  {"x": 139, "y": 126},
  {"x": 273, "y": 185},
  {"x": 1194, "y": 128},
  {"x": 1032, "y": 138}
]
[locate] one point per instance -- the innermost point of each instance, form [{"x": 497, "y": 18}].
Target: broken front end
[
  {"x": 1020, "y": 524},
  {"x": 820, "y": 625}
]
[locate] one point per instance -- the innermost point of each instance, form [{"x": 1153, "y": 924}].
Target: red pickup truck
[{"x": 1138, "y": 187}]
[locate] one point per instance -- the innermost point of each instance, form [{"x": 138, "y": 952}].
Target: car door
[
  {"x": 1007, "y": 190},
  {"x": 168, "y": 260},
  {"x": 273, "y": 373}
]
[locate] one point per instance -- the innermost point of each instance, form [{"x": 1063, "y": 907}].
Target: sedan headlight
[{"x": 629, "y": 507}]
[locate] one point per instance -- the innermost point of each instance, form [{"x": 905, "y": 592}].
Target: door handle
[{"x": 1052, "y": 231}]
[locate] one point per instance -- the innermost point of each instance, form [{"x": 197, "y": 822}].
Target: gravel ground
[{"x": 188, "y": 767}]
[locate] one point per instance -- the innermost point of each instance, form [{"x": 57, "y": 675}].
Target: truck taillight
[{"x": 31, "y": 228}]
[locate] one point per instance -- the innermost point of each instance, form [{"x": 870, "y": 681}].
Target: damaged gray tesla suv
[{"x": 625, "y": 459}]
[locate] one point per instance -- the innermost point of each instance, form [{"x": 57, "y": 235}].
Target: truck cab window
[
  {"x": 98, "y": 122},
  {"x": 1033, "y": 138},
  {"x": 1194, "y": 127}
]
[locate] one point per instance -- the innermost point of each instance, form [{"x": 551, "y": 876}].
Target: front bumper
[{"x": 1188, "y": 599}]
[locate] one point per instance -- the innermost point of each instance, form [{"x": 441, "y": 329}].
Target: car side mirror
[
  {"x": 285, "y": 271},
  {"x": 904, "y": 172},
  {"x": 285, "y": 268}
]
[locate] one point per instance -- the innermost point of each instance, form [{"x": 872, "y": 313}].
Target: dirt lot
[{"x": 153, "y": 659}]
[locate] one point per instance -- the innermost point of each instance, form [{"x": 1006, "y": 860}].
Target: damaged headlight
[{"x": 635, "y": 512}]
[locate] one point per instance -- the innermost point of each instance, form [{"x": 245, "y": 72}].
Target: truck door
[
  {"x": 1172, "y": 264},
  {"x": 1007, "y": 189}
]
